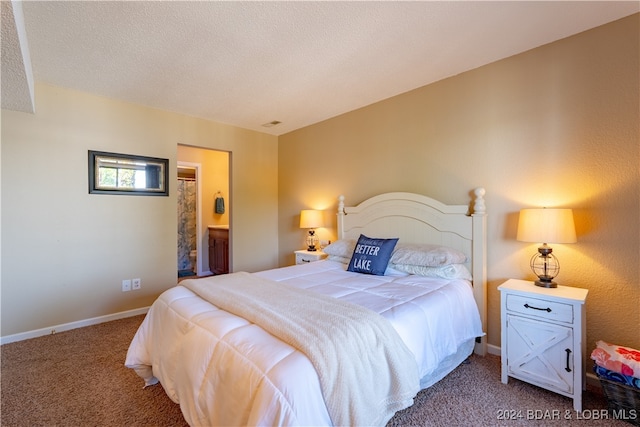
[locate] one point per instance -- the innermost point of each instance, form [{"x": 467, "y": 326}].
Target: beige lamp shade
[
  {"x": 546, "y": 225},
  {"x": 310, "y": 218}
]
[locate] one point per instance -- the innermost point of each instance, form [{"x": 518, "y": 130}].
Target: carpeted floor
[{"x": 77, "y": 378}]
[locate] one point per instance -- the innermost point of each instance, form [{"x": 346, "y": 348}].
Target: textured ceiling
[{"x": 250, "y": 63}]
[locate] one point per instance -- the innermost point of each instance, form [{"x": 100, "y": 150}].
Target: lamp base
[
  {"x": 546, "y": 283},
  {"x": 312, "y": 241}
]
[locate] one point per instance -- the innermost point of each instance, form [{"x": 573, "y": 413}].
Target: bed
[{"x": 317, "y": 344}]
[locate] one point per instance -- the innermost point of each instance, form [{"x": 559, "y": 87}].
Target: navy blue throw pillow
[{"x": 371, "y": 256}]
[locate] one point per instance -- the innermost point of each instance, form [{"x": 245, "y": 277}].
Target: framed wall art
[{"x": 113, "y": 173}]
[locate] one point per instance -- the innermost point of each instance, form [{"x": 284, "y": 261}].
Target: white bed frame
[{"x": 414, "y": 218}]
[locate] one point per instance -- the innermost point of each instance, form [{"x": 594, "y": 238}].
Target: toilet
[{"x": 193, "y": 258}]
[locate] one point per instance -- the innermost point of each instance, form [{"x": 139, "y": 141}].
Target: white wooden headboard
[{"x": 415, "y": 218}]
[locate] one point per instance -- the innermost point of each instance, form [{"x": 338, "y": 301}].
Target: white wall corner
[{"x": 17, "y": 74}]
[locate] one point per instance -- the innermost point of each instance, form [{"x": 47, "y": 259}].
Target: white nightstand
[
  {"x": 304, "y": 256},
  {"x": 543, "y": 336}
]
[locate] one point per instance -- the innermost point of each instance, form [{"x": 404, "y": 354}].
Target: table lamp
[
  {"x": 311, "y": 219},
  {"x": 544, "y": 226}
]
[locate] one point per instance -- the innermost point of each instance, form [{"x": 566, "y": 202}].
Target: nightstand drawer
[
  {"x": 305, "y": 257},
  {"x": 302, "y": 259},
  {"x": 543, "y": 309}
]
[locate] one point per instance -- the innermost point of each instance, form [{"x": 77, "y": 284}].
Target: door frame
[{"x": 198, "y": 168}]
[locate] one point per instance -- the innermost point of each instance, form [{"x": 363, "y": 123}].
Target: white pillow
[
  {"x": 341, "y": 248},
  {"x": 390, "y": 271},
  {"x": 339, "y": 259},
  {"x": 451, "y": 271},
  {"x": 426, "y": 255}
]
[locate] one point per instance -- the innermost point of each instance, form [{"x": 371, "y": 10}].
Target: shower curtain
[{"x": 186, "y": 222}]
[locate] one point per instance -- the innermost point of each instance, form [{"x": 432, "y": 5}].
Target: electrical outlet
[
  {"x": 126, "y": 285},
  {"x": 136, "y": 284}
]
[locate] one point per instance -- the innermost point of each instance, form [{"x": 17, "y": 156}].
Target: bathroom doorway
[
  {"x": 187, "y": 193},
  {"x": 212, "y": 208}
]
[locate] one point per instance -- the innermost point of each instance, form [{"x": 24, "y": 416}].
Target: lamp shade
[
  {"x": 310, "y": 218},
  {"x": 546, "y": 226}
]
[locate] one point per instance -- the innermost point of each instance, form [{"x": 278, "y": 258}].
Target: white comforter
[
  {"x": 345, "y": 343},
  {"x": 224, "y": 370}
]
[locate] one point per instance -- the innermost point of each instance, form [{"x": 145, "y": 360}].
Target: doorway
[
  {"x": 188, "y": 200},
  {"x": 212, "y": 170}
]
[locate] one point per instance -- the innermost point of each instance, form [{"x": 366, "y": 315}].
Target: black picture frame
[{"x": 127, "y": 174}]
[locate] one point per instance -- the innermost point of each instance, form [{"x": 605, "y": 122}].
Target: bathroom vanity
[{"x": 219, "y": 249}]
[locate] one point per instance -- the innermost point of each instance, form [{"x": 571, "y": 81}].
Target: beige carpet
[{"x": 77, "y": 378}]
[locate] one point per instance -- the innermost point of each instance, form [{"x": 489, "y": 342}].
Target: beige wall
[
  {"x": 214, "y": 171},
  {"x": 555, "y": 126},
  {"x": 65, "y": 252}
]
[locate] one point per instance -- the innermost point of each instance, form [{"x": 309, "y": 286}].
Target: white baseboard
[
  {"x": 493, "y": 349},
  {"x": 73, "y": 325}
]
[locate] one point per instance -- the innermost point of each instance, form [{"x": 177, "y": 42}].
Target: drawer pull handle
[
  {"x": 548, "y": 310},
  {"x": 567, "y": 368},
  {"x": 306, "y": 260}
]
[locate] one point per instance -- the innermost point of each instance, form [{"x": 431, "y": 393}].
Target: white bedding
[
  {"x": 312, "y": 322},
  {"x": 224, "y": 370}
]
